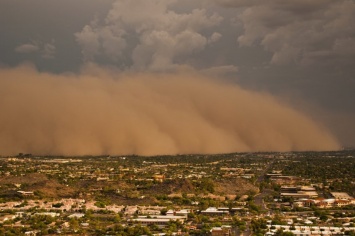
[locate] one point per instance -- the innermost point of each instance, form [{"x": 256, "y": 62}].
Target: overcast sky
[{"x": 301, "y": 51}]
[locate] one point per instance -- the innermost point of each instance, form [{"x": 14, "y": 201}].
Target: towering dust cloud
[{"x": 100, "y": 112}]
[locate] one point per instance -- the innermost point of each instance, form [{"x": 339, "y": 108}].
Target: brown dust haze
[{"x": 101, "y": 112}]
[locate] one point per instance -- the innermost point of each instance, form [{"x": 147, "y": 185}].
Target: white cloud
[
  {"x": 215, "y": 37},
  {"x": 150, "y": 34},
  {"x": 26, "y": 48},
  {"x": 88, "y": 38},
  {"x": 46, "y": 50}
]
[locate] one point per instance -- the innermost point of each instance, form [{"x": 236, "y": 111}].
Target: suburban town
[{"x": 296, "y": 193}]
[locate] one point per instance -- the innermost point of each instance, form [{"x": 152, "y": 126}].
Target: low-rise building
[
  {"x": 224, "y": 230},
  {"x": 341, "y": 195},
  {"x": 159, "y": 220},
  {"x": 214, "y": 211},
  {"x": 183, "y": 212}
]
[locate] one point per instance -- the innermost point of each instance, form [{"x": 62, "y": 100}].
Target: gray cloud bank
[
  {"x": 317, "y": 32},
  {"x": 148, "y": 34},
  {"x": 157, "y": 35},
  {"x": 101, "y": 111}
]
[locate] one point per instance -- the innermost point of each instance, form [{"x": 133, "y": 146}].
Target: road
[{"x": 259, "y": 198}]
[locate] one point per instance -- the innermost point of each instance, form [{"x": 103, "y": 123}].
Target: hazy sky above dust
[{"x": 299, "y": 52}]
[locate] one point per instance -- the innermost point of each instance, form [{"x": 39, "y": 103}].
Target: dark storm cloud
[
  {"x": 303, "y": 32},
  {"x": 40, "y": 22}
]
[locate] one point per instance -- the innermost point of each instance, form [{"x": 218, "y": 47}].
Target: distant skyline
[{"x": 301, "y": 53}]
